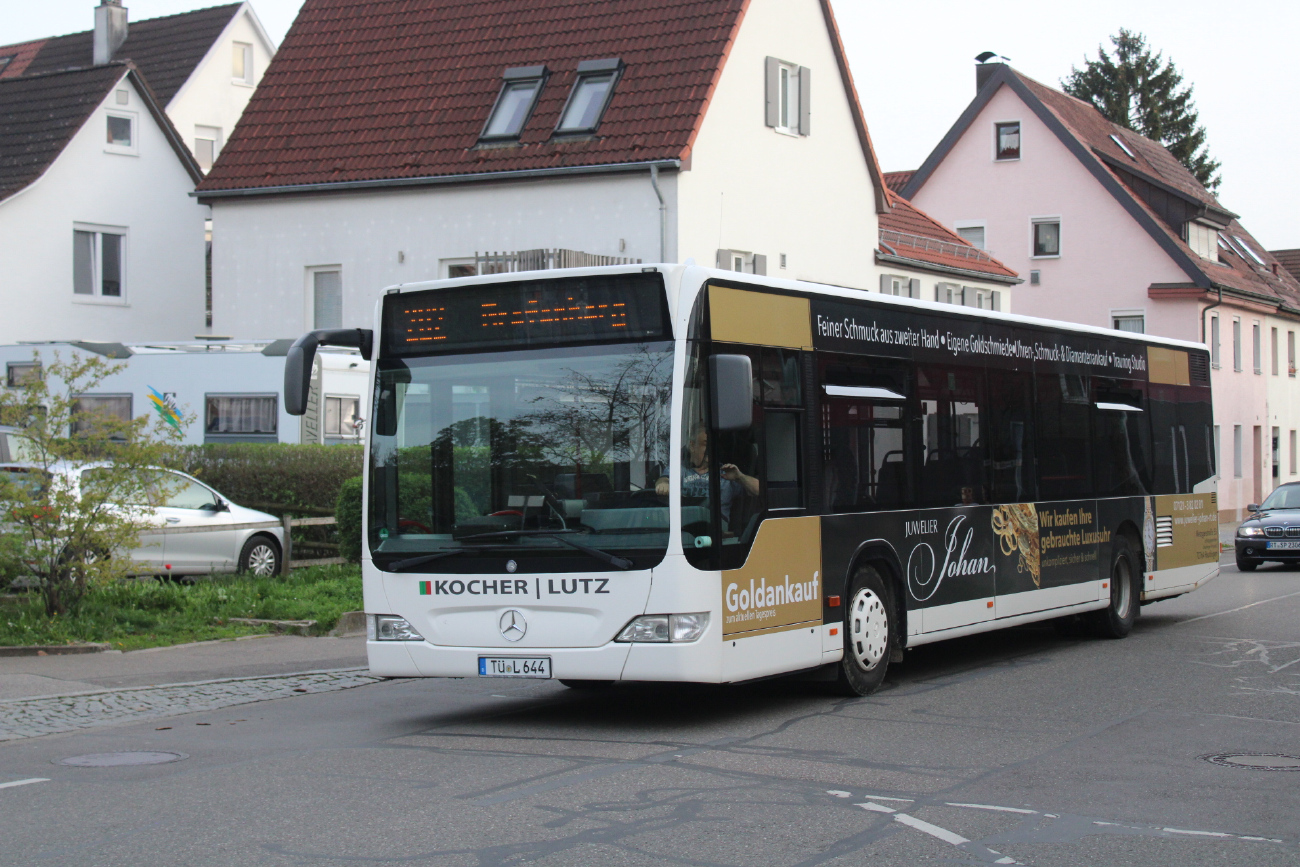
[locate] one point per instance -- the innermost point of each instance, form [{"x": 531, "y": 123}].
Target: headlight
[
  {"x": 665, "y": 627},
  {"x": 387, "y": 627},
  {"x": 1250, "y": 531}
]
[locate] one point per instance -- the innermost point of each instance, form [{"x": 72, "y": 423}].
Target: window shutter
[
  {"x": 773, "y": 116},
  {"x": 805, "y": 91},
  {"x": 914, "y": 288},
  {"x": 997, "y": 300},
  {"x": 886, "y": 284},
  {"x": 724, "y": 260},
  {"x": 760, "y": 264}
]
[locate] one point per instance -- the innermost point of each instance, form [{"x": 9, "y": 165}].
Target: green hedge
[{"x": 275, "y": 477}]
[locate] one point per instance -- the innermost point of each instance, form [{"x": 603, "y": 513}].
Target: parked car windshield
[
  {"x": 569, "y": 440},
  {"x": 1285, "y": 497}
]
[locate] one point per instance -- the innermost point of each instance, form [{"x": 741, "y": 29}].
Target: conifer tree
[{"x": 1138, "y": 89}]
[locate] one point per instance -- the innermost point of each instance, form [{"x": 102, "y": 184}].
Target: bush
[
  {"x": 275, "y": 477},
  {"x": 347, "y": 512}
]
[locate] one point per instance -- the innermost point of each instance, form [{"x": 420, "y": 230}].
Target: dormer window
[
  {"x": 514, "y": 103},
  {"x": 590, "y": 96},
  {"x": 1201, "y": 238}
]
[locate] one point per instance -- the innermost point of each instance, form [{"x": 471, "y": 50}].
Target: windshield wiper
[
  {"x": 411, "y": 562},
  {"x": 560, "y": 536}
]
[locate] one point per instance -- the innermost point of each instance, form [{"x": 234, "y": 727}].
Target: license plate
[
  {"x": 1283, "y": 546},
  {"x": 514, "y": 666}
]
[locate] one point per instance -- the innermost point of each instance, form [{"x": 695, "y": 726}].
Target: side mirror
[
  {"x": 298, "y": 361},
  {"x": 1253, "y": 507},
  {"x": 732, "y": 383}
]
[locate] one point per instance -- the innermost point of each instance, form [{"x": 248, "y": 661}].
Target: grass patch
[{"x": 131, "y": 615}]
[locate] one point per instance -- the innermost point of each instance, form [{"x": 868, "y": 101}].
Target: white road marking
[
  {"x": 999, "y": 809},
  {"x": 1242, "y": 608},
  {"x": 933, "y": 830},
  {"x": 837, "y": 793},
  {"x": 876, "y": 808},
  {"x": 23, "y": 782},
  {"x": 883, "y": 798},
  {"x": 1197, "y": 833}
]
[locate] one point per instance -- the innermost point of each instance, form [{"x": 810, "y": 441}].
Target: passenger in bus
[
  {"x": 968, "y": 496},
  {"x": 695, "y": 476}
]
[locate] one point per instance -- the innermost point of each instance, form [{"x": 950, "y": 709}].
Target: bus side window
[
  {"x": 1011, "y": 437},
  {"x": 782, "y": 483},
  {"x": 1064, "y": 450},
  {"x": 1121, "y": 438},
  {"x": 1196, "y": 434},
  {"x": 1166, "y": 450},
  {"x": 952, "y": 400}
]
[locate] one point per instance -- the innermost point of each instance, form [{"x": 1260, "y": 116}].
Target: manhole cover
[
  {"x": 117, "y": 760},
  {"x": 1256, "y": 761}
]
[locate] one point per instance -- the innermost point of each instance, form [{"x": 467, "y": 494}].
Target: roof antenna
[{"x": 986, "y": 56}]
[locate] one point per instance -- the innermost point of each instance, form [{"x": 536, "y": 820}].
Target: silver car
[{"x": 179, "y": 503}]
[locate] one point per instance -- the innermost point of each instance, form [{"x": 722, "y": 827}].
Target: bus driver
[{"x": 695, "y": 476}]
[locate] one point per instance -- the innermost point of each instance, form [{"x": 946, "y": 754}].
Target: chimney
[
  {"x": 983, "y": 72},
  {"x": 110, "y": 30}
]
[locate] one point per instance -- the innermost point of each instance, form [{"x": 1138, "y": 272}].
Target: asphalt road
[{"x": 1025, "y": 746}]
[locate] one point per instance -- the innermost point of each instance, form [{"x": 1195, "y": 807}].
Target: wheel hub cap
[
  {"x": 262, "y": 560},
  {"x": 868, "y": 628}
]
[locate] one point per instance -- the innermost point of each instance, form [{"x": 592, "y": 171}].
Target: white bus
[{"x": 672, "y": 473}]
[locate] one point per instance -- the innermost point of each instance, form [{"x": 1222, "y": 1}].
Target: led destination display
[{"x": 599, "y": 309}]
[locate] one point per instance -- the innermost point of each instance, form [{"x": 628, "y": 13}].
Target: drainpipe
[
  {"x": 1207, "y": 310},
  {"x": 663, "y": 214}
]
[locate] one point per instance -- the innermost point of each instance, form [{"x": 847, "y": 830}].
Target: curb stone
[{"x": 53, "y": 649}]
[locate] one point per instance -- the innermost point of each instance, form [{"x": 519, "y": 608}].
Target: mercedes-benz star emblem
[
  {"x": 513, "y": 625},
  {"x": 511, "y": 566}
]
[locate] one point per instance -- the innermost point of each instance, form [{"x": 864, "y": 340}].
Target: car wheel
[
  {"x": 1116, "y": 620},
  {"x": 260, "y": 556},
  {"x": 1246, "y": 564},
  {"x": 868, "y": 634}
]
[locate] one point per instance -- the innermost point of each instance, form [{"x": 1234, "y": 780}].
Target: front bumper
[{"x": 1256, "y": 548}]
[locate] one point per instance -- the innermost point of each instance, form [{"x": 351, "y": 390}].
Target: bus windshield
[{"x": 501, "y": 453}]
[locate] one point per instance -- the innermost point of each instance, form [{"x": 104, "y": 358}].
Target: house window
[
  {"x": 1047, "y": 237},
  {"x": 5, "y": 61},
  {"x": 949, "y": 293},
  {"x": 744, "y": 262},
  {"x": 1135, "y": 322},
  {"x": 1203, "y": 240},
  {"x": 1214, "y": 342},
  {"x": 902, "y": 287},
  {"x": 98, "y": 263},
  {"x": 1008, "y": 140},
  {"x": 22, "y": 373},
  {"x": 87, "y": 409},
  {"x": 1273, "y": 347},
  {"x": 1290, "y": 353},
  {"x": 514, "y": 103},
  {"x": 241, "y": 63},
  {"x": 341, "y": 416},
  {"x": 326, "y": 298},
  {"x": 1257, "y": 348},
  {"x": 1236, "y": 451},
  {"x": 207, "y": 143},
  {"x": 119, "y": 132},
  {"x": 789, "y": 92},
  {"x": 1236, "y": 344},
  {"x": 972, "y": 233},
  {"x": 984, "y": 299},
  {"x": 231, "y": 416},
  {"x": 591, "y": 93}
]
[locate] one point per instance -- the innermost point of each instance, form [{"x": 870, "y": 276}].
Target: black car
[{"x": 1273, "y": 531}]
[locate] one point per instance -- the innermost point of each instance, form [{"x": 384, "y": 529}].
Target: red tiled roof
[
  {"x": 1288, "y": 259},
  {"x": 910, "y": 233},
  {"x": 397, "y": 89},
  {"x": 166, "y": 50},
  {"x": 895, "y": 181}
]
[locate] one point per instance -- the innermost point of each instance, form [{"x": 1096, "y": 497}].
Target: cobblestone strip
[{"x": 33, "y": 717}]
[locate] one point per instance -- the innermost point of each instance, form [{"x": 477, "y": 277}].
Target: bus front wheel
[
  {"x": 868, "y": 634},
  {"x": 1116, "y": 620}
]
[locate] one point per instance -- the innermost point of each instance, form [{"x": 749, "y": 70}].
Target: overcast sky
[{"x": 912, "y": 63}]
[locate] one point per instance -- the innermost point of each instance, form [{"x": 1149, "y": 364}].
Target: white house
[
  {"x": 432, "y": 142},
  {"x": 1113, "y": 231},
  {"x": 202, "y": 66},
  {"x": 213, "y": 391},
  {"x": 99, "y": 238}
]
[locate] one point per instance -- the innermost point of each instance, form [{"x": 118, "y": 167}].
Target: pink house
[{"x": 1113, "y": 231}]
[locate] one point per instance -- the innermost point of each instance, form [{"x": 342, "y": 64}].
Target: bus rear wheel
[
  {"x": 868, "y": 634},
  {"x": 1116, "y": 620}
]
